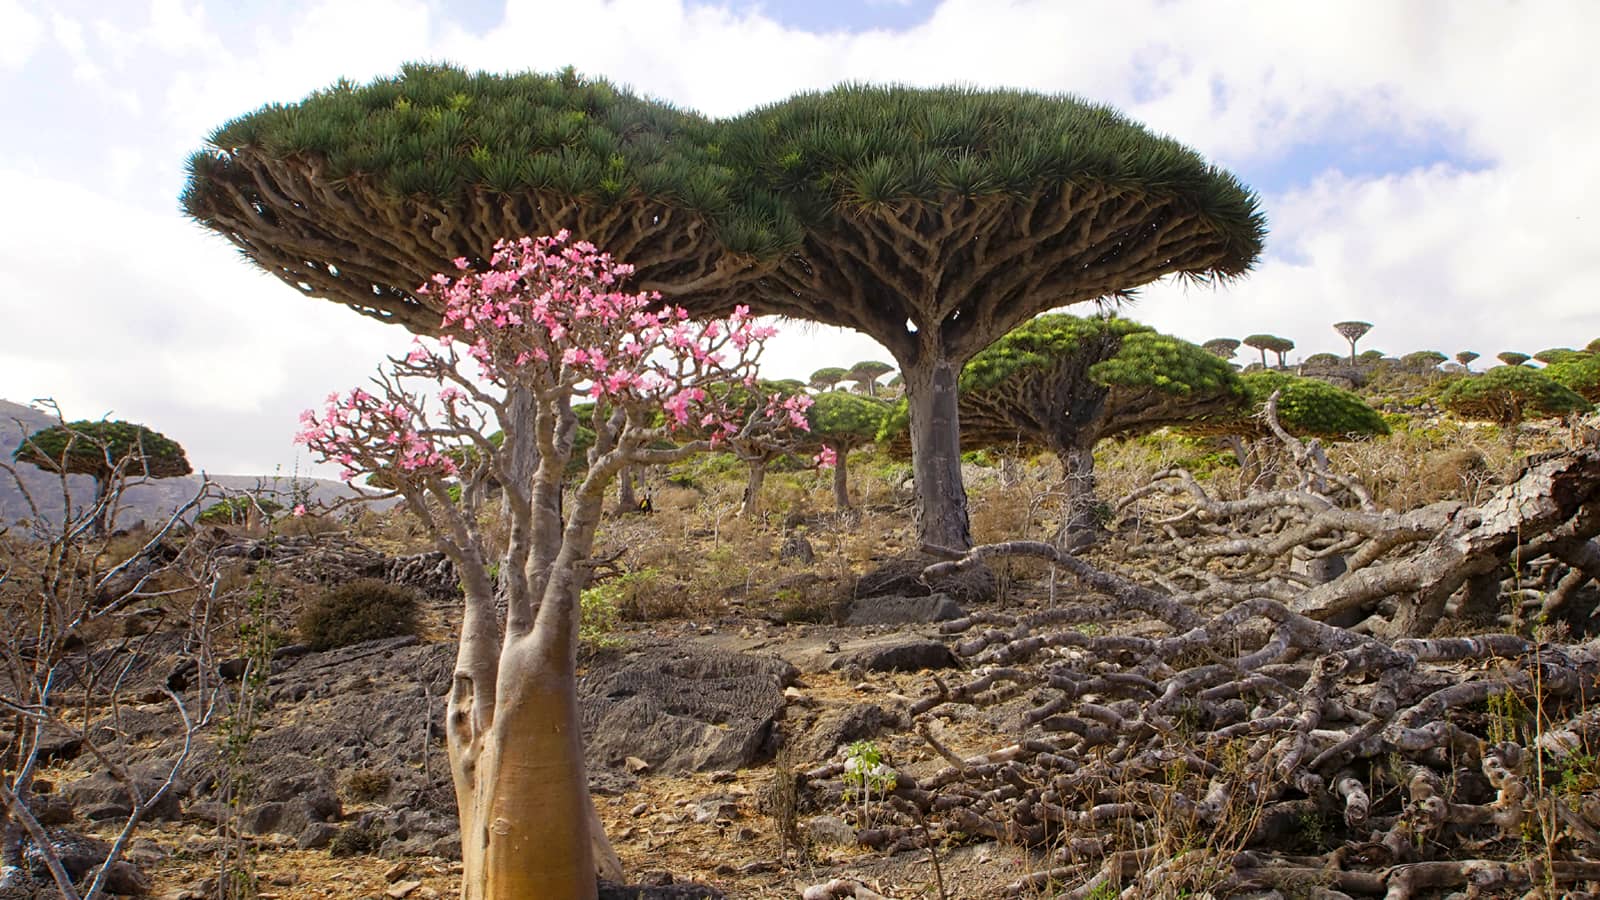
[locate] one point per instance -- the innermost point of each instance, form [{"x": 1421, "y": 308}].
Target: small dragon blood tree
[{"x": 544, "y": 318}]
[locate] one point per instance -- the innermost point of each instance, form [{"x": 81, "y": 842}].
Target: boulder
[
  {"x": 679, "y": 709},
  {"x": 901, "y": 610},
  {"x": 907, "y": 656}
]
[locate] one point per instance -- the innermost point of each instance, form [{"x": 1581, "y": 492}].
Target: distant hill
[{"x": 152, "y": 500}]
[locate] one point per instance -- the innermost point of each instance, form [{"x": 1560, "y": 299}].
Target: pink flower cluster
[
  {"x": 367, "y": 433},
  {"x": 826, "y": 458},
  {"x": 546, "y": 314}
]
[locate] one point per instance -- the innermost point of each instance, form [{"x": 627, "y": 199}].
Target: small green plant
[
  {"x": 1107, "y": 890},
  {"x": 361, "y": 610},
  {"x": 865, "y": 774},
  {"x": 236, "y": 510},
  {"x": 599, "y": 616}
]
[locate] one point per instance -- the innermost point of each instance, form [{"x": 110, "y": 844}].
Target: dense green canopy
[
  {"x": 98, "y": 449},
  {"x": 1580, "y": 373},
  {"x": 1307, "y": 407},
  {"x": 966, "y": 212},
  {"x": 360, "y": 192},
  {"x": 842, "y": 419},
  {"x": 1508, "y": 395}
]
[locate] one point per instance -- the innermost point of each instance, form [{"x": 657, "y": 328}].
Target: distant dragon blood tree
[
  {"x": 840, "y": 422},
  {"x": 106, "y": 451},
  {"x": 1579, "y": 373},
  {"x": 1223, "y": 347},
  {"x": 1466, "y": 357},
  {"x": 1065, "y": 383},
  {"x": 1512, "y": 357},
  {"x": 1265, "y": 342},
  {"x": 545, "y": 318},
  {"x": 866, "y": 373},
  {"x": 1352, "y": 332},
  {"x": 1509, "y": 395},
  {"x": 1306, "y": 407},
  {"x": 936, "y": 221}
]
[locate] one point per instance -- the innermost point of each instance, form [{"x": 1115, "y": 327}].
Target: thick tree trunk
[
  {"x": 841, "y": 480},
  {"x": 526, "y": 825},
  {"x": 751, "y": 506},
  {"x": 936, "y": 452},
  {"x": 1079, "y": 525},
  {"x": 626, "y": 499}
]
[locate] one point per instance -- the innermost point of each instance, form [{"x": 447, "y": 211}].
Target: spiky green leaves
[
  {"x": 864, "y": 146},
  {"x": 1508, "y": 395},
  {"x": 845, "y": 420},
  {"x": 1307, "y": 408},
  {"x": 99, "y": 449},
  {"x": 1580, "y": 373},
  {"x": 439, "y": 133}
]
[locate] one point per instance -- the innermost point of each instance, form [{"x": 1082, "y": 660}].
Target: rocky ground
[{"x": 347, "y": 792}]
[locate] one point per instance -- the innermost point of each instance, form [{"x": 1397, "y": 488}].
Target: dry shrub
[
  {"x": 364, "y": 785},
  {"x": 360, "y": 610}
]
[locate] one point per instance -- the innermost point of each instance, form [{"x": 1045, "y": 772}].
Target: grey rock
[
  {"x": 125, "y": 879},
  {"x": 830, "y": 831},
  {"x": 683, "y": 710},
  {"x": 909, "y": 656},
  {"x": 902, "y": 610},
  {"x": 316, "y": 836},
  {"x": 836, "y": 728}
]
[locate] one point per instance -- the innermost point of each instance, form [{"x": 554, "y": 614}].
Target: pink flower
[
  {"x": 826, "y": 458},
  {"x": 299, "y": 510}
]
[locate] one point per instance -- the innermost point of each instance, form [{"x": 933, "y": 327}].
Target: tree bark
[
  {"x": 841, "y": 479},
  {"x": 1079, "y": 524},
  {"x": 626, "y": 500},
  {"x": 936, "y": 452},
  {"x": 750, "y": 507}
]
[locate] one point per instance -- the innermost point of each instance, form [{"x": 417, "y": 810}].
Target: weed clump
[
  {"x": 361, "y": 610},
  {"x": 363, "y": 785}
]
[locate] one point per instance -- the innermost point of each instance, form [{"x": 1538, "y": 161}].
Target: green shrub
[
  {"x": 357, "y": 611},
  {"x": 599, "y": 616},
  {"x": 236, "y": 510},
  {"x": 356, "y": 841}
]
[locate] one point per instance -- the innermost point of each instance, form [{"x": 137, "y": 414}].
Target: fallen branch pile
[{"x": 1229, "y": 734}]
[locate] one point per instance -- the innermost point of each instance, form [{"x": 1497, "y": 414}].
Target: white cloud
[{"x": 23, "y": 31}]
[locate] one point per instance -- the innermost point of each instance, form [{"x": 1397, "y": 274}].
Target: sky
[{"x": 1424, "y": 166}]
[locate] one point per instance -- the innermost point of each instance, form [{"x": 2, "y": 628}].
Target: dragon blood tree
[
  {"x": 544, "y": 317},
  {"x": 1063, "y": 383},
  {"x": 1352, "y": 332},
  {"x": 1509, "y": 395},
  {"x": 1306, "y": 408},
  {"x": 840, "y": 422},
  {"x": 937, "y": 220},
  {"x": 109, "y": 451}
]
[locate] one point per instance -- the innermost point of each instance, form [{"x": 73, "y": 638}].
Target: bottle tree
[
  {"x": 1352, "y": 332},
  {"x": 545, "y": 317},
  {"x": 108, "y": 451},
  {"x": 937, "y": 220},
  {"x": 866, "y": 373},
  {"x": 1510, "y": 395},
  {"x": 1223, "y": 347},
  {"x": 840, "y": 422},
  {"x": 1064, "y": 383},
  {"x": 1465, "y": 358}
]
